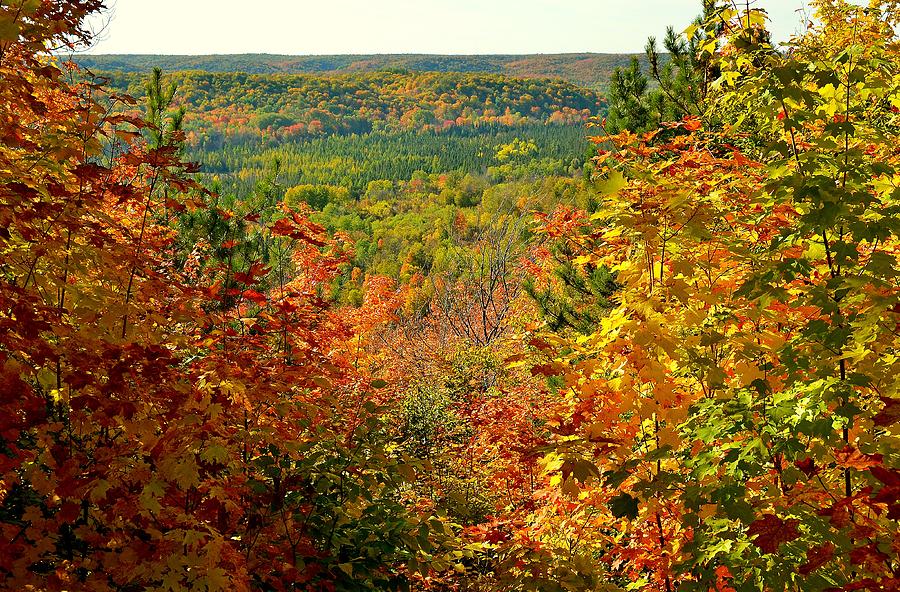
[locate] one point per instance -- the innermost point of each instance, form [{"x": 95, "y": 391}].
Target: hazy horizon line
[{"x": 399, "y": 53}]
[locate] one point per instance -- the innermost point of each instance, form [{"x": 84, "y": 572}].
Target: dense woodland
[
  {"x": 383, "y": 156},
  {"x": 286, "y": 107},
  {"x": 460, "y": 331}
]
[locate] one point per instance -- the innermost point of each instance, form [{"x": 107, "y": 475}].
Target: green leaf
[
  {"x": 624, "y": 506},
  {"x": 215, "y": 453},
  {"x": 9, "y": 31}
]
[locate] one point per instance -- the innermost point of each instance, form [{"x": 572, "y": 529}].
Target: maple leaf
[
  {"x": 807, "y": 466},
  {"x": 869, "y": 556},
  {"x": 186, "y": 473},
  {"x": 68, "y": 512},
  {"x": 889, "y": 414},
  {"x": 175, "y": 205},
  {"x": 216, "y": 579},
  {"x": 598, "y": 433},
  {"x": 852, "y": 458},
  {"x": 816, "y": 557},
  {"x": 255, "y": 271},
  {"x": 890, "y": 477},
  {"x": 254, "y": 296},
  {"x": 546, "y": 370},
  {"x": 624, "y": 506},
  {"x": 692, "y": 124},
  {"x": 770, "y": 532}
]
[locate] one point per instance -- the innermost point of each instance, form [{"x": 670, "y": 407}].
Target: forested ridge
[
  {"x": 585, "y": 69},
  {"x": 291, "y": 106},
  {"x": 454, "y": 331}
]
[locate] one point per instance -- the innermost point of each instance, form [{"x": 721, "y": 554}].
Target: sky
[{"x": 299, "y": 27}]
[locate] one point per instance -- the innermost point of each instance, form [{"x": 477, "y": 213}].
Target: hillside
[
  {"x": 349, "y": 130},
  {"x": 585, "y": 69},
  {"x": 281, "y": 107},
  {"x": 422, "y": 331}
]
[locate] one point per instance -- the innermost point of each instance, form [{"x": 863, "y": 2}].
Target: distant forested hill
[
  {"x": 352, "y": 129},
  {"x": 283, "y": 107},
  {"x": 585, "y": 69}
]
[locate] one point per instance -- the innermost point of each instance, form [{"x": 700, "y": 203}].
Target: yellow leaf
[
  {"x": 187, "y": 474},
  {"x": 98, "y": 493},
  {"x": 748, "y": 372},
  {"x": 614, "y": 183},
  {"x": 707, "y": 510},
  {"x": 570, "y": 487},
  {"x": 408, "y": 472},
  {"x": 215, "y": 453},
  {"x": 322, "y": 382},
  {"x": 669, "y": 437},
  {"x": 150, "y": 495},
  {"x": 216, "y": 579},
  {"x": 676, "y": 415}
]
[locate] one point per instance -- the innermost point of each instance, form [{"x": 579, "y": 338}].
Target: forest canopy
[{"x": 466, "y": 333}]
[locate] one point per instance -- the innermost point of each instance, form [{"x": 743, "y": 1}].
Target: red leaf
[
  {"x": 890, "y": 414},
  {"x": 249, "y": 277},
  {"x": 545, "y": 370},
  {"x": 259, "y": 269},
  {"x": 692, "y": 124},
  {"x": 243, "y": 278},
  {"x": 868, "y": 556},
  {"x": 889, "y": 477},
  {"x": 817, "y": 557},
  {"x": 539, "y": 343},
  {"x": 808, "y": 466},
  {"x": 771, "y": 531},
  {"x": 68, "y": 512},
  {"x": 294, "y": 229},
  {"x": 254, "y": 296},
  {"x": 283, "y": 227},
  {"x": 174, "y": 205},
  {"x": 840, "y": 512}
]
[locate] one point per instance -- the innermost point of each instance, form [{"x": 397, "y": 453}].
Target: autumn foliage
[
  {"x": 170, "y": 425},
  {"x": 731, "y": 423},
  {"x": 690, "y": 386}
]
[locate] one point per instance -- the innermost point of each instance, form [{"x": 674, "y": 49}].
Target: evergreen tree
[
  {"x": 680, "y": 81},
  {"x": 576, "y": 299},
  {"x": 166, "y": 126},
  {"x": 628, "y": 100}
]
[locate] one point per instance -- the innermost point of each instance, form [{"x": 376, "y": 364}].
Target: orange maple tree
[
  {"x": 731, "y": 423},
  {"x": 167, "y": 425}
]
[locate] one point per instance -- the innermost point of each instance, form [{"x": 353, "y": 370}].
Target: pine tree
[
  {"x": 680, "y": 81},
  {"x": 165, "y": 126}
]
